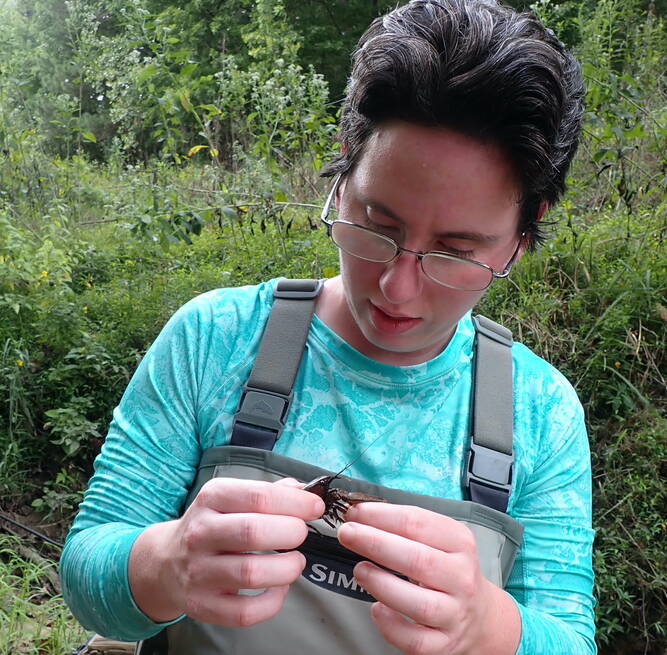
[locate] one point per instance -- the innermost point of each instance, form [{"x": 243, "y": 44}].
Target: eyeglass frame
[{"x": 324, "y": 215}]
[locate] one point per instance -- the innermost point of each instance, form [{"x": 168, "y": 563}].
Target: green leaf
[
  {"x": 89, "y": 136},
  {"x": 637, "y": 132},
  {"x": 187, "y": 70},
  {"x": 600, "y": 154},
  {"x": 184, "y": 98},
  {"x": 147, "y": 73}
]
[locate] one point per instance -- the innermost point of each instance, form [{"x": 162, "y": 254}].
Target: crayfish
[{"x": 337, "y": 501}]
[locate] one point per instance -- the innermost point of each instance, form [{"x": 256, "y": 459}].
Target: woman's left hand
[{"x": 447, "y": 606}]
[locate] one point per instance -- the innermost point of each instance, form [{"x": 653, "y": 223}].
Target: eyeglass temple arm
[
  {"x": 324, "y": 216},
  {"x": 508, "y": 269}
]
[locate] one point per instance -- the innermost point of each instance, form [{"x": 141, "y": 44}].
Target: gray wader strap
[
  {"x": 268, "y": 393},
  {"x": 267, "y": 396},
  {"x": 488, "y": 478}
]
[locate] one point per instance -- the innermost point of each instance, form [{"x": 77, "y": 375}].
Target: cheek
[
  {"x": 450, "y": 305},
  {"x": 358, "y": 273}
]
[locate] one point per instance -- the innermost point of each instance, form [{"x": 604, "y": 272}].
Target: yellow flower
[{"x": 19, "y": 362}]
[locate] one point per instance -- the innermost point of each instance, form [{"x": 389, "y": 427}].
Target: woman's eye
[
  {"x": 381, "y": 227},
  {"x": 465, "y": 254}
]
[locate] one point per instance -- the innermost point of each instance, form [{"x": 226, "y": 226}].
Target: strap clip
[
  {"x": 267, "y": 409},
  {"x": 298, "y": 289},
  {"x": 489, "y": 476},
  {"x": 493, "y": 330}
]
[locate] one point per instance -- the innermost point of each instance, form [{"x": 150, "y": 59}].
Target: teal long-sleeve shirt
[{"x": 182, "y": 400}]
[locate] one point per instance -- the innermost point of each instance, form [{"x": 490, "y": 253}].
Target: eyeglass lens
[{"x": 447, "y": 270}]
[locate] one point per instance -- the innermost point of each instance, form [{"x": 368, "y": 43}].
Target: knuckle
[
  {"x": 259, "y": 499},
  {"x": 416, "y": 645},
  {"x": 468, "y": 541},
  {"x": 194, "y": 536},
  {"x": 429, "y": 611},
  {"x": 190, "y": 572},
  {"x": 249, "y": 533},
  {"x": 421, "y": 562},
  {"x": 247, "y": 614},
  {"x": 250, "y": 573},
  {"x": 467, "y": 586},
  {"x": 207, "y": 494},
  {"x": 413, "y": 523},
  {"x": 193, "y": 607},
  {"x": 372, "y": 545}
]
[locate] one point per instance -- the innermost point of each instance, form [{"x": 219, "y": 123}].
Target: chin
[{"x": 404, "y": 346}]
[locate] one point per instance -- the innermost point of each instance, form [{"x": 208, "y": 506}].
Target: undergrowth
[
  {"x": 99, "y": 246},
  {"x": 34, "y": 619}
]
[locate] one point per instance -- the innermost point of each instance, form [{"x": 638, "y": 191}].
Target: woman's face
[{"x": 428, "y": 189}]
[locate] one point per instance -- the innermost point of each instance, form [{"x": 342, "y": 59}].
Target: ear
[
  {"x": 543, "y": 209},
  {"x": 339, "y": 192}
]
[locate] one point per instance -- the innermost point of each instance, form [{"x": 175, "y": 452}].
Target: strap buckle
[
  {"x": 493, "y": 330},
  {"x": 298, "y": 289},
  {"x": 266, "y": 409},
  {"x": 489, "y": 476}
]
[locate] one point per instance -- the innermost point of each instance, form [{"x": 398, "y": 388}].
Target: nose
[{"x": 402, "y": 279}]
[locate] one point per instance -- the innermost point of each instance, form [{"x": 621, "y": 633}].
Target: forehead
[{"x": 435, "y": 171}]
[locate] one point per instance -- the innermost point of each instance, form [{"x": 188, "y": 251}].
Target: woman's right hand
[{"x": 197, "y": 564}]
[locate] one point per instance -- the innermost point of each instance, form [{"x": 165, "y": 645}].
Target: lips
[{"x": 392, "y": 323}]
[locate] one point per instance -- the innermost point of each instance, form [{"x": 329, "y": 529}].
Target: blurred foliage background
[{"x": 151, "y": 150}]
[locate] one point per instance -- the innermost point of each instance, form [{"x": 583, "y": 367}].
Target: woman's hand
[
  {"x": 197, "y": 564},
  {"x": 447, "y": 606}
]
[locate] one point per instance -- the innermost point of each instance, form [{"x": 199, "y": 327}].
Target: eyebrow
[{"x": 465, "y": 235}]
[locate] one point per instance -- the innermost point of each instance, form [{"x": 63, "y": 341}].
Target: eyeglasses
[{"x": 441, "y": 267}]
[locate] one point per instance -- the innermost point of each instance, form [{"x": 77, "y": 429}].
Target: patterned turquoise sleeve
[
  {"x": 553, "y": 578},
  {"x": 141, "y": 477}
]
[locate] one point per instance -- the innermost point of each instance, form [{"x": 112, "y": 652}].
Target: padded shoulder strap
[
  {"x": 265, "y": 402},
  {"x": 491, "y": 457}
]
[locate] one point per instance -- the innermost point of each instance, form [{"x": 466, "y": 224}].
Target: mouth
[{"x": 392, "y": 323}]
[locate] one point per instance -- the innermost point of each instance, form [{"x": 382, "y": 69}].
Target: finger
[
  {"x": 425, "y": 606},
  {"x": 228, "y": 495},
  {"x": 240, "y": 533},
  {"x": 233, "y": 610},
  {"x": 290, "y": 482},
  {"x": 417, "y": 524},
  {"x": 430, "y": 566},
  {"x": 406, "y": 636},
  {"x": 249, "y": 571}
]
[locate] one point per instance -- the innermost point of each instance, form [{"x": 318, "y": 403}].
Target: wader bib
[{"x": 326, "y": 612}]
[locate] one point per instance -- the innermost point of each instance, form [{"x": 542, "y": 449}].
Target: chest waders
[{"x": 326, "y": 612}]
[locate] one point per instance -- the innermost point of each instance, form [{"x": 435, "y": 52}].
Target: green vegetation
[
  {"x": 34, "y": 617},
  {"x": 151, "y": 151}
]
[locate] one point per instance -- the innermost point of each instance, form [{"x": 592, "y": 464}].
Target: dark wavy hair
[{"x": 477, "y": 67}]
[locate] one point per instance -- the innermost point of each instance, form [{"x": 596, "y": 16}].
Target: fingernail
[
  {"x": 351, "y": 513},
  {"x": 290, "y": 482},
  {"x": 347, "y": 530}
]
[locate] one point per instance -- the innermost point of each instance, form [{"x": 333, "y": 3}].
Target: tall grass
[{"x": 33, "y": 617}]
